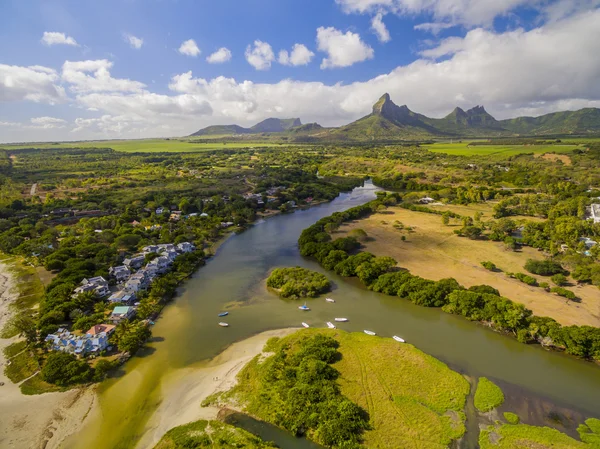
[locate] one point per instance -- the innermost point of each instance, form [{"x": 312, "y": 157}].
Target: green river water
[{"x": 187, "y": 333}]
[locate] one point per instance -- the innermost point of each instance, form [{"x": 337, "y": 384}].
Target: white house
[
  {"x": 134, "y": 261},
  {"x": 98, "y": 285},
  {"x": 120, "y": 273},
  {"x": 123, "y": 296},
  {"x": 185, "y": 247}
]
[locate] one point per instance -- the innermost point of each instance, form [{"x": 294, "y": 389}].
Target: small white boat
[
  {"x": 305, "y": 324},
  {"x": 304, "y": 307},
  {"x": 223, "y": 324},
  {"x": 369, "y": 332},
  {"x": 329, "y": 299},
  {"x": 330, "y": 325},
  {"x": 340, "y": 320},
  {"x": 401, "y": 340}
]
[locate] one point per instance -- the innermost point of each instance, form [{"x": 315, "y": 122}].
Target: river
[{"x": 187, "y": 332}]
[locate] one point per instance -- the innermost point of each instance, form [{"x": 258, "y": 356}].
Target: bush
[
  {"x": 64, "y": 369},
  {"x": 559, "y": 279},
  {"x": 512, "y": 418},
  {"x": 298, "y": 282},
  {"x": 359, "y": 234},
  {"x": 544, "y": 267},
  {"x": 564, "y": 292},
  {"x": 525, "y": 279},
  {"x": 488, "y": 395},
  {"x": 489, "y": 265}
]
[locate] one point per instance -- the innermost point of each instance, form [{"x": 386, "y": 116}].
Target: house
[
  {"x": 203, "y": 214},
  {"x": 134, "y": 261},
  {"x": 160, "y": 210},
  {"x": 137, "y": 282},
  {"x": 226, "y": 224},
  {"x": 175, "y": 215},
  {"x": 171, "y": 255},
  {"x": 150, "y": 249},
  {"x": 123, "y": 296},
  {"x": 185, "y": 247},
  {"x": 160, "y": 264},
  {"x": 97, "y": 285},
  {"x": 79, "y": 345},
  {"x": 426, "y": 200},
  {"x": 588, "y": 242},
  {"x": 108, "y": 329},
  {"x": 595, "y": 213},
  {"x": 120, "y": 273},
  {"x": 155, "y": 227},
  {"x": 163, "y": 247},
  {"x": 121, "y": 313}
]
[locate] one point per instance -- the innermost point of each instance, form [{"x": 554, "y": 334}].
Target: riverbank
[{"x": 184, "y": 390}]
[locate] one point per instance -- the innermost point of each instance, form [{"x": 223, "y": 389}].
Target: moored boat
[
  {"x": 369, "y": 332},
  {"x": 304, "y": 307},
  {"x": 401, "y": 340},
  {"x": 340, "y": 320},
  {"x": 223, "y": 313},
  {"x": 329, "y": 299},
  {"x": 330, "y": 325},
  {"x": 223, "y": 324},
  {"x": 305, "y": 324}
]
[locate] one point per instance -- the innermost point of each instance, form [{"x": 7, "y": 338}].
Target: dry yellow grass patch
[
  {"x": 432, "y": 251},
  {"x": 557, "y": 157}
]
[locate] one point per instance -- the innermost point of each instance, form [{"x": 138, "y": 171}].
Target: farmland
[{"x": 465, "y": 149}]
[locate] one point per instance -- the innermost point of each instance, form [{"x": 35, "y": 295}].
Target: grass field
[
  {"x": 213, "y": 434},
  {"x": 431, "y": 250},
  {"x": 21, "y": 367},
  {"x": 463, "y": 149},
  {"x": 508, "y": 436},
  {"x": 145, "y": 145},
  {"x": 414, "y": 401},
  {"x": 488, "y": 395}
]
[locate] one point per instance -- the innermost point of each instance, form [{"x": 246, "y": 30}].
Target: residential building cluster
[{"x": 94, "y": 341}]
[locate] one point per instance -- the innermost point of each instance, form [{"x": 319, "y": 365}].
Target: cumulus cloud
[
  {"x": 300, "y": 55},
  {"x": 94, "y": 76},
  {"x": 460, "y": 12},
  {"x": 189, "y": 48},
  {"x": 134, "y": 42},
  {"x": 260, "y": 55},
  {"x": 433, "y": 27},
  {"x": 48, "y": 122},
  {"x": 53, "y": 38},
  {"x": 343, "y": 50},
  {"x": 379, "y": 28},
  {"x": 220, "y": 56},
  {"x": 34, "y": 83}
]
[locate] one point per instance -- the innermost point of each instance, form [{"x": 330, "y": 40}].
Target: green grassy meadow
[
  {"x": 509, "y": 436},
  {"x": 145, "y": 145},
  {"x": 464, "y": 149}
]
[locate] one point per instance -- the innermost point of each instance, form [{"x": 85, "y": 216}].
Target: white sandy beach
[
  {"x": 40, "y": 421},
  {"x": 185, "y": 389}
]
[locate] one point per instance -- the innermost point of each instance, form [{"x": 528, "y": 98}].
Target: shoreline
[{"x": 184, "y": 390}]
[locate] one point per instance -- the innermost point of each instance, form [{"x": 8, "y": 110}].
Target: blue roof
[{"x": 121, "y": 310}]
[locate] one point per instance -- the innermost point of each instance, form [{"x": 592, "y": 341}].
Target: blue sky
[{"x": 74, "y": 70}]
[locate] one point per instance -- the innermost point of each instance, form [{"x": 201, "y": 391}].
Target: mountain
[
  {"x": 306, "y": 128},
  {"x": 387, "y": 121},
  {"x": 270, "y": 125},
  {"x": 275, "y": 125},
  {"x": 475, "y": 121},
  {"x": 583, "y": 121},
  {"x": 221, "y": 130}
]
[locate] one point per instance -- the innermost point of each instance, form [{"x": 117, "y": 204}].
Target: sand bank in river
[
  {"x": 185, "y": 389},
  {"x": 41, "y": 421}
]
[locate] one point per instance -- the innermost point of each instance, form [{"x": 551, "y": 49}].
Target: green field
[
  {"x": 145, "y": 145},
  {"x": 510, "y": 436},
  {"x": 464, "y": 149}
]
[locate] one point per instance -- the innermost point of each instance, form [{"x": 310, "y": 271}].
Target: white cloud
[
  {"x": 53, "y": 38},
  {"x": 260, "y": 56},
  {"x": 77, "y": 74},
  {"x": 34, "y": 83},
  {"x": 433, "y": 27},
  {"x": 300, "y": 55},
  {"x": 134, "y": 42},
  {"x": 220, "y": 56},
  {"x": 379, "y": 28},
  {"x": 48, "y": 122},
  {"x": 342, "y": 50},
  {"x": 460, "y": 12},
  {"x": 189, "y": 48}
]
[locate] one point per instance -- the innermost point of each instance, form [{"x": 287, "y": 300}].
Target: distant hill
[
  {"x": 270, "y": 125},
  {"x": 388, "y": 121}
]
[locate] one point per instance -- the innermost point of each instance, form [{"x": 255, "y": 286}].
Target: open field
[
  {"x": 510, "y": 436},
  {"x": 413, "y": 400},
  {"x": 463, "y": 149},
  {"x": 145, "y": 145},
  {"x": 431, "y": 250}
]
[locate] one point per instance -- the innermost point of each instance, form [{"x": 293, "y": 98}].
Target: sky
[{"x": 104, "y": 69}]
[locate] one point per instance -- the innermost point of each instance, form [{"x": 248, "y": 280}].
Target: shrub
[
  {"x": 526, "y": 279},
  {"x": 544, "y": 267},
  {"x": 488, "y": 395},
  {"x": 64, "y": 369},
  {"x": 512, "y": 418},
  {"x": 559, "y": 279},
  {"x": 298, "y": 282},
  {"x": 564, "y": 292},
  {"x": 359, "y": 234},
  {"x": 489, "y": 265}
]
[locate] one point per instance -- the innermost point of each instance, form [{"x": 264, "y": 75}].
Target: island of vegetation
[
  {"x": 210, "y": 434},
  {"x": 488, "y": 395},
  {"x": 294, "y": 283}
]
